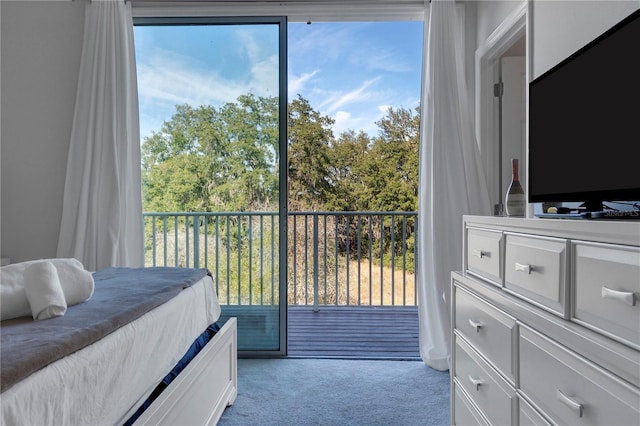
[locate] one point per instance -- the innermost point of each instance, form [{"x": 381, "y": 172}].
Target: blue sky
[{"x": 350, "y": 71}]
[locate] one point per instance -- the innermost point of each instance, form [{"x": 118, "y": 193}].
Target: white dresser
[{"x": 546, "y": 323}]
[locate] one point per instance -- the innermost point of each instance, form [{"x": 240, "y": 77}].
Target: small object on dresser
[
  {"x": 550, "y": 207},
  {"x": 514, "y": 201}
]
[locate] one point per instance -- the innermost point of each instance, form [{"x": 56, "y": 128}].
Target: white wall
[
  {"x": 561, "y": 27},
  {"x": 41, "y": 43},
  {"x": 491, "y": 13}
]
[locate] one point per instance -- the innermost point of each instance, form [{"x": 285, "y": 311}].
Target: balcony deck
[{"x": 354, "y": 332}]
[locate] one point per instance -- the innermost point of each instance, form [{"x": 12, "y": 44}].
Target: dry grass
[
  {"x": 398, "y": 288},
  {"x": 367, "y": 284}
]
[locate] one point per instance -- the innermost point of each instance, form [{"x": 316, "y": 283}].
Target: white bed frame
[{"x": 201, "y": 392}]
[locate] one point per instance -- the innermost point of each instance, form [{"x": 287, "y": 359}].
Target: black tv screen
[{"x": 584, "y": 122}]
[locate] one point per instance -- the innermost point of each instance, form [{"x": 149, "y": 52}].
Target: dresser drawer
[
  {"x": 528, "y": 416},
  {"x": 488, "y": 329},
  {"x": 606, "y": 289},
  {"x": 484, "y": 254},
  {"x": 535, "y": 269},
  {"x": 569, "y": 389},
  {"x": 495, "y": 398},
  {"x": 464, "y": 412}
]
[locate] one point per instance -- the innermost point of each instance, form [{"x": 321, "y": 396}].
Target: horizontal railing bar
[
  {"x": 351, "y": 213},
  {"x": 162, "y": 214},
  {"x": 290, "y": 213}
]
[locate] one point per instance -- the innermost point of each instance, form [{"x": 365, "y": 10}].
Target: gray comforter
[{"x": 121, "y": 295}]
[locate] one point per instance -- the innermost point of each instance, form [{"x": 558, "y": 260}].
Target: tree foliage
[
  {"x": 226, "y": 159},
  {"x": 379, "y": 174},
  {"x": 214, "y": 159},
  {"x": 310, "y": 136}
]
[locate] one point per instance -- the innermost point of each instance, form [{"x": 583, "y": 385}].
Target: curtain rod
[
  {"x": 265, "y": 2},
  {"x": 285, "y": 2}
]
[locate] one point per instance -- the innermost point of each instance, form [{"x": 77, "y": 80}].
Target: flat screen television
[{"x": 584, "y": 123}]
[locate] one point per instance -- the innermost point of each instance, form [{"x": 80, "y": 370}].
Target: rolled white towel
[
  {"x": 44, "y": 292},
  {"x": 76, "y": 282}
]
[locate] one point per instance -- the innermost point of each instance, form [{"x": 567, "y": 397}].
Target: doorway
[{"x": 501, "y": 94}]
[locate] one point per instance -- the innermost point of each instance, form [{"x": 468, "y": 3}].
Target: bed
[{"x": 101, "y": 370}]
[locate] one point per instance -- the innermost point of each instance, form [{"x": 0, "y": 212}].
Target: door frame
[
  {"x": 167, "y": 17},
  {"x": 487, "y": 68}
]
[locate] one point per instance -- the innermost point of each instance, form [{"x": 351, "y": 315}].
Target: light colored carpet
[{"x": 338, "y": 392}]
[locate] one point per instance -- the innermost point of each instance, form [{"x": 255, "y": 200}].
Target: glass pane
[{"x": 209, "y": 121}]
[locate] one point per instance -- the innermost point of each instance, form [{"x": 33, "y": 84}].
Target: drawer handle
[
  {"x": 627, "y": 297},
  {"x": 476, "y": 382},
  {"x": 575, "y": 406},
  {"x": 481, "y": 253},
  {"x": 524, "y": 268},
  {"x": 476, "y": 325}
]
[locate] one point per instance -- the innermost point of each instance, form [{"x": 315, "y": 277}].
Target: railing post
[
  {"x": 315, "y": 263},
  {"x": 153, "y": 236},
  {"x": 196, "y": 241}
]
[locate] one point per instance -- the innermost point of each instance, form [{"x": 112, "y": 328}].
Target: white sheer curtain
[
  {"x": 452, "y": 181},
  {"x": 102, "y": 208}
]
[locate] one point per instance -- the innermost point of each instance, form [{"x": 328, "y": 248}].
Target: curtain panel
[
  {"x": 102, "y": 208},
  {"x": 452, "y": 181}
]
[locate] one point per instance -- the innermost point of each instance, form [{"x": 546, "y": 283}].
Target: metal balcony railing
[{"x": 334, "y": 258}]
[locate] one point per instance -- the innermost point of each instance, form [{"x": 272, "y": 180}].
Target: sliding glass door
[{"x": 213, "y": 117}]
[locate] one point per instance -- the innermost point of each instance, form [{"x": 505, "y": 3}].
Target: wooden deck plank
[{"x": 353, "y": 332}]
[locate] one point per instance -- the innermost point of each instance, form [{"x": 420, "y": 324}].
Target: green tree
[
  {"x": 310, "y": 136},
  {"x": 250, "y": 178},
  {"x": 209, "y": 159},
  {"x": 348, "y": 157},
  {"x": 226, "y": 158},
  {"x": 391, "y": 175},
  {"x": 178, "y": 184}
]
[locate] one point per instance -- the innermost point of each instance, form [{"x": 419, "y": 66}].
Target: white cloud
[
  {"x": 322, "y": 41},
  {"x": 297, "y": 83},
  {"x": 361, "y": 108},
  {"x": 170, "y": 78},
  {"x": 347, "y": 43},
  {"x": 265, "y": 77},
  {"x": 264, "y": 70},
  {"x": 340, "y": 99},
  {"x": 342, "y": 120},
  {"x": 360, "y": 120},
  {"x": 379, "y": 59}
]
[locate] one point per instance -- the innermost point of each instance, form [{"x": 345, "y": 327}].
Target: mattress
[{"x": 105, "y": 382}]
